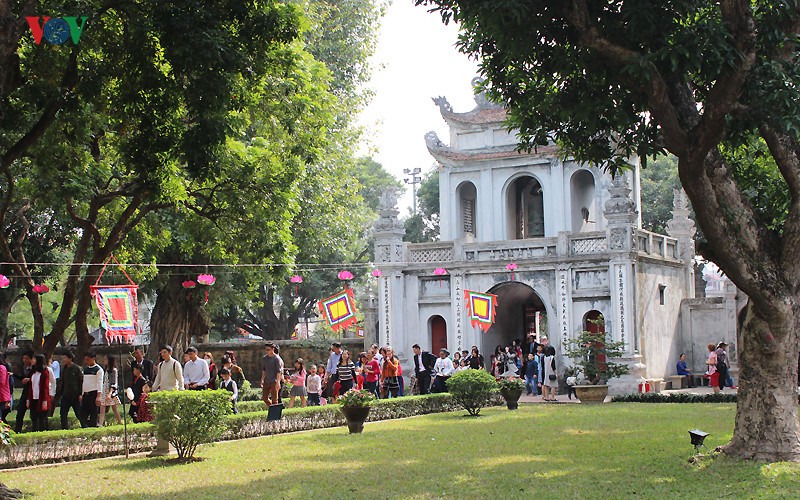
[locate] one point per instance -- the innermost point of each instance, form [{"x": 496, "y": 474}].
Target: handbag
[{"x": 552, "y": 376}]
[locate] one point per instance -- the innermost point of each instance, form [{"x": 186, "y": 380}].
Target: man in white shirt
[
  {"x": 169, "y": 376},
  {"x": 443, "y": 369},
  {"x": 92, "y": 390},
  {"x": 195, "y": 372}
]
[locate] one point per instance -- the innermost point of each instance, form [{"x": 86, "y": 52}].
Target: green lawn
[{"x": 564, "y": 451}]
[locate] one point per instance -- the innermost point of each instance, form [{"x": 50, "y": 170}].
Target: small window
[{"x": 661, "y": 289}]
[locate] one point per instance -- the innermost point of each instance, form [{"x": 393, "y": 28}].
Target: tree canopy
[{"x": 715, "y": 84}]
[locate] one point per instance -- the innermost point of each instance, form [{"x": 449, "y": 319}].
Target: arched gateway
[{"x": 517, "y": 308}]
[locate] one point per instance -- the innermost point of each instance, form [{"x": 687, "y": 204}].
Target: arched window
[
  {"x": 583, "y": 211},
  {"x": 467, "y": 197},
  {"x": 525, "y": 209}
]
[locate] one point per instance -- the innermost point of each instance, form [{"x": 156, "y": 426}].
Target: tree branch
[{"x": 656, "y": 89}]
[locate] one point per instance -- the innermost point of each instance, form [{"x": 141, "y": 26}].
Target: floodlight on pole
[{"x": 413, "y": 179}]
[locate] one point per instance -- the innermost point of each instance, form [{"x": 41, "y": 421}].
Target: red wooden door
[{"x": 438, "y": 334}]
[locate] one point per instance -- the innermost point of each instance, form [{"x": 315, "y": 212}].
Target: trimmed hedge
[
  {"x": 680, "y": 397},
  {"x": 80, "y": 444}
]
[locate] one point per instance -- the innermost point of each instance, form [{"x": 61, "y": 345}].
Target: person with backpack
[
  {"x": 722, "y": 364},
  {"x": 170, "y": 374},
  {"x": 550, "y": 382}
]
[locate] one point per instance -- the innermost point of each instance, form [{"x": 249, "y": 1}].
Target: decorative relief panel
[{"x": 585, "y": 280}]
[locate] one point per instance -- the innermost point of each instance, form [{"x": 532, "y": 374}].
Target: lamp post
[{"x": 413, "y": 179}]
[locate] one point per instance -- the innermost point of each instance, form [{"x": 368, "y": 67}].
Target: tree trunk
[
  {"x": 35, "y": 301},
  {"x": 767, "y": 426},
  {"x": 8, "y": 298},
  {"x": 177, "y": 316}
]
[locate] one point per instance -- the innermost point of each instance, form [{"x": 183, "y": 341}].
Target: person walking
[
  {"x": 40, "y": 398},
  {"x": 313, "y": 386},
  {"x": 147, "y": 368},
  {"x": 531, "y": 376},
  {"x": 424, "y": 362},
  {"x": 169, "y": 376},
  {"x": 476, "y": 359},
  {"x": 69, "y": 390},
  {"x": 5, "y": 389},
  {"x": 137, "y": 389},
  {"x": 110, "y": 393},
  {"x": 389, "y": 374},
  {"x": 550, "y": 382},
  {"x": 227, "y": 384},
  {"x": 271, "y": 375},
  {"x": 372, "y": 372},
  {"x": 25, "y": 379},
  {"x": 346, "y": 372},
  {"x": 298, "y": 380},
  {"x": 92, "y": 390},
  {"x": 722, "y": 365},
  {"x": 212, "y": 370},
  {"x": 331, "y": 376},
  {"x": 195, "y": 372},
  {"x": 442, "y": 370},
  {"x": 237, "y": 374},
  {"x": 712, "y": 372}
]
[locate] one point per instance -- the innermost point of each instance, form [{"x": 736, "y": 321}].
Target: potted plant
[
  {"x": 355, "y": 408},
  {"x": 511, "y": 389},
  {"x": 594, "y": 353}
]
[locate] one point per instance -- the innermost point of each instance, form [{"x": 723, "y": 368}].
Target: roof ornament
[
  {"x": 479, "y": 88},
  {"x": 444, "y": 106}
]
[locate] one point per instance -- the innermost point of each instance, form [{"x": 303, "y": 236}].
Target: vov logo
[{"x": 56, "y": 30}]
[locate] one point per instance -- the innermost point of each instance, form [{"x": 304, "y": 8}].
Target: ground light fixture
[{"x": 698, "y": 437}]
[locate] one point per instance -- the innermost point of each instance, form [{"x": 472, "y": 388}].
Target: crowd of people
[{"x": 91, "y": 391}]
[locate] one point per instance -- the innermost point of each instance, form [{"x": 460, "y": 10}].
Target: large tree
[
  {"x": 706, "y": 81},
  {"x": 127, "y": 122}
]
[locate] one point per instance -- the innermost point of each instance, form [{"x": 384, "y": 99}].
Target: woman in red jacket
[{"x": 39, "y": 399}]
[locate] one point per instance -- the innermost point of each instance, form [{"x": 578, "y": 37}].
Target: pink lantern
[
  {"x": 4, "y": 281},
  {"x": 296, "y": 279},
  {"x": 188, "y": 284},
  {"x": 40, "y": 289},
  {"x": 511, "y": 268},
  {"x": 377, "y": 273},
  {"x": 345, "y": 275},
  {"x": 440, "y": 271},
  {"x": 206, "y": 279}
]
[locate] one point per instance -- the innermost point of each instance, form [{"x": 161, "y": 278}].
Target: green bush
[
  {"x": 679, "y": 397},
  {"x": 472, "y": 389},
  {"x": 189, "y": 418}
]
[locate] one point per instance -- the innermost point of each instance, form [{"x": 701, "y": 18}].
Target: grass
[{"x": 559, "y": 451}]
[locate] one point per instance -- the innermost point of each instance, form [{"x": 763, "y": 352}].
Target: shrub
[
  {"x": 679, "y": 397},
  {"x": 356, "y": 398},
  {"x": 471, "y": 389},
  {"x": 189, "y": 418}
]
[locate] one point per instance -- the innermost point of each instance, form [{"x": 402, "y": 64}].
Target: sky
[{"x": 415, "y": 60}]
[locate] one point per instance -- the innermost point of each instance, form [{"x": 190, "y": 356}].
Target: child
[
  {"x": 313, "y": 384},
  {"x": 572, "y": 381},
  {"x": 298, "y": 380},
  {"x": 229, "y": 385},
  {"x": 143, "y": 413}
]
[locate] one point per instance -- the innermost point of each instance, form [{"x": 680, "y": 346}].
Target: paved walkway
[{"x": 562, "y": 398}]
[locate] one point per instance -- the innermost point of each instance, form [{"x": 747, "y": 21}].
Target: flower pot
[
  {"x": 355, "y": 415},
  {"x": 591, "y": 394},
  {"x": 512, "y": 397}
]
